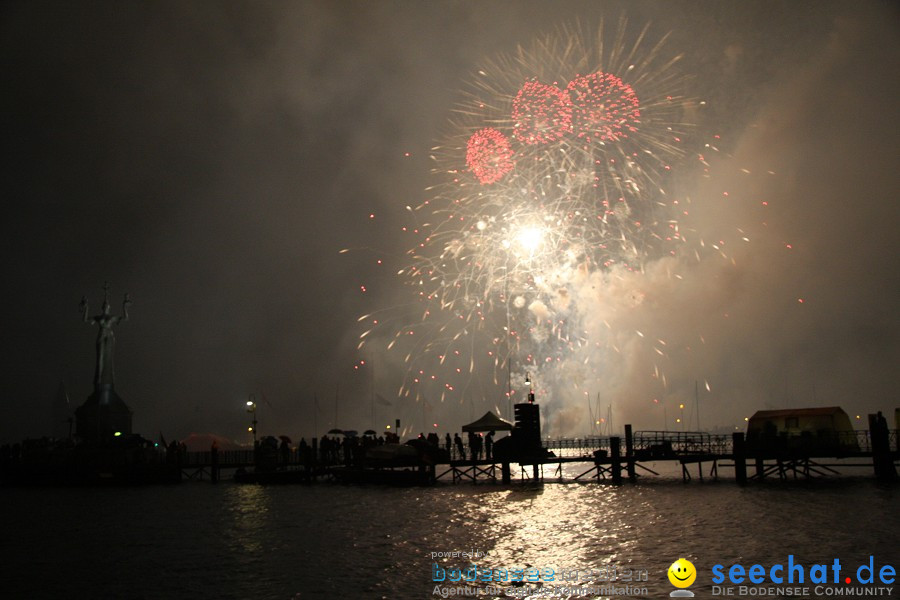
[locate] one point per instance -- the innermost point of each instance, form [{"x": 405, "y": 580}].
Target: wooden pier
[{"x": 617, "y": 459}]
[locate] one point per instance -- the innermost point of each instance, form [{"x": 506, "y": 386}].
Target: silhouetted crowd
[
  {"x": 457, "y": 450},
  {"x": 350, "y": 449}
]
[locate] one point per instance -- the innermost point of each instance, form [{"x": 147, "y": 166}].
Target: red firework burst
[
  {"x": 541, "y": 113},
  {"x": 603, "y": 107},
  {"x": 489, "y": 155}
]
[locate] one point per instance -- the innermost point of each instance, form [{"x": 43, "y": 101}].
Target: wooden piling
[
  {"x": 740, "y": 457},
  {"x": 507, "y": 477},
  {"x": 615, "y": 455},
  {"x": 629, "y": 454},
  {"x": 214, "y": 464}
]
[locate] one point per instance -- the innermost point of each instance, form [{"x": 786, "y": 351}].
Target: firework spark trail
[{"x": 552, "y": 183}]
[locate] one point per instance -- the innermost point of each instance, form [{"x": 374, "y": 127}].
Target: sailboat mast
[
  {"x": 591, "y": 415},
  {"x": 372, "y": 391},
  {"x": 697, "y": 402}
]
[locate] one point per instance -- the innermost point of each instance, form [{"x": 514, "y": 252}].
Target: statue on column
[{"x": 106, "y": 338}]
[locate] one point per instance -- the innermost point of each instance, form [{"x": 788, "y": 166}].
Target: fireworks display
[
  {"x": 552, "y": 184},
  {"x": 541, "y": 113},
  {"x": 520, "y": 187},
  {"x": 488, "y": 155},
  {"x": 603, "y": 107}
]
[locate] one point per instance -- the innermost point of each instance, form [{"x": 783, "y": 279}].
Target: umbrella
[
  {"x": 351, "y": 433},
  {"x": 369, "y": 432},
  {"x": 285, "y": 439},
  {"x": 336, "y": 431}
]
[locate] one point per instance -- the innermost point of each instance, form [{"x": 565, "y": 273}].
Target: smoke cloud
[{"x": 213, "y": 160}]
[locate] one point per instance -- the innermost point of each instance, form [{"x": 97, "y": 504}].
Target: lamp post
[
  {"x": 508, "y": 345},
  {"x": 251, "y": 408},
  {"x": 530, "y": 388},
  {"x": 681, "y": 416}
]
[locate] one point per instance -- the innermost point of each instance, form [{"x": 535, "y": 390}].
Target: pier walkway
[{"x": 617, "y": 458}]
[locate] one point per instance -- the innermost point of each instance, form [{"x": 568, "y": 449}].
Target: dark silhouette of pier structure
[
  {"x": 783, "y": 444},
  {"x": 775, "y": 446},
  {"x": 617, "y": 459}
]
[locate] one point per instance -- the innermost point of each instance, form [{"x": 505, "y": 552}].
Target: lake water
[{"x": 198, "y": 540}]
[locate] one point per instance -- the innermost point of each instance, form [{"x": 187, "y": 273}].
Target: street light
[
  {"x": 251, "y": 408},
  {"x": 530, "y": 389},
  {"x": 681, "y": 418}
]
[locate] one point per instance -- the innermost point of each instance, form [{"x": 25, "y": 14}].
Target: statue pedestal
[{"x": 102, "y": 415}]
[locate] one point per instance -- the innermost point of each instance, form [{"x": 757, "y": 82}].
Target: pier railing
[
  {"x": 226, "y": 458},
  {"x": 681, "y": 442},
  {"x": 573, "y": 447},
  {"x": 646, "y": 445},
  {"x": 668, "y": 443}
]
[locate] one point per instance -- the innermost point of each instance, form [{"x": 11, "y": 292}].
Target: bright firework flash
[{"x": 551, "y": 212}]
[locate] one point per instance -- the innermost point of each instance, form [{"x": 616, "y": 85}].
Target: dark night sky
[{"x": 213, "y": 158}]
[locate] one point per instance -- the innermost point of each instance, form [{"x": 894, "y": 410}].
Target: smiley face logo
[{"x": 682, "y": 573}]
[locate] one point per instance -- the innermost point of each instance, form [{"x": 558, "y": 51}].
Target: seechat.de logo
[{"x": 682, "y": 574}]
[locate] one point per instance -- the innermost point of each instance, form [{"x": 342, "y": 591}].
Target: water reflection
[
  {"x": 329, "y": 541},
  {"x": 569, "y": 526},
  {"x": 248, "y": 509}
]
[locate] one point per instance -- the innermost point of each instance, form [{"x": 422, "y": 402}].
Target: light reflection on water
[
  {"x": 250, "y": 512},
  {"x": 199, "y": 540}
]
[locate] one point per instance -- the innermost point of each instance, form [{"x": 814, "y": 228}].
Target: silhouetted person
[
  {"x": 881, "y": 448},
  {"x": 285, "y": 453},
  {"x": 459, "y": 446},
  {"x": 488, "y": 445},
  {"x": 303, "y": 452},
  {"x": 448, "y": 443},
  {"x": 474, "y": 445},
  {"x": 324, "y": 446},
  {"x": 173, "y": 455}
]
